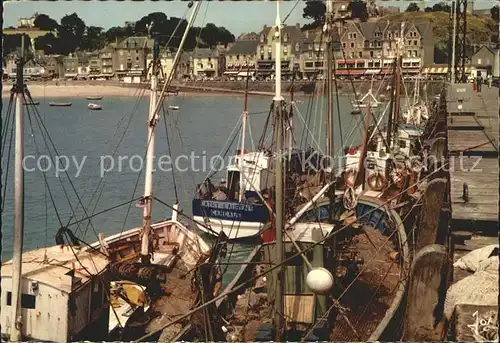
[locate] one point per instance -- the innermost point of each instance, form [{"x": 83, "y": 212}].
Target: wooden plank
[
  {"x": 465, "y": 215},
  {"x": 462, "y": 140}
]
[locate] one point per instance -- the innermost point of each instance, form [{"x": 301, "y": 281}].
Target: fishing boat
[
  {"x": 173, "y": 107},
  {"x": 237, "y": 206},
  {"x": 94, "y": 98},
  {"x": 309, "y": 284},
  {"x": 60, "y": 104},
  {"x": 94, "y": 107},
  {"x": 74, "y": 289}
]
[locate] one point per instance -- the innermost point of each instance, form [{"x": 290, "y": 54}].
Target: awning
[
  {"x": 386, "y": 71},
  {"x": 411, "y": 71},
  {"x": 436, "y": 70},
  {"x": 230, "y": 72},
  {"x": 411, "y": 60},
  {"x": 372, "y": 71},
  {"x": 245, "y": 73},
  {"x": 347, "y": 72}
]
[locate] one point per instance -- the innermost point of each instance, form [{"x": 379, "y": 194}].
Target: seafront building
[{"x": 363, "y": 49}]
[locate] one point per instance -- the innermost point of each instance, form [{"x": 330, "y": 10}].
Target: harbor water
[{"x": 86, "y": 140}]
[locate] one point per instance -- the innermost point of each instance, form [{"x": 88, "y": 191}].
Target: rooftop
[
  {"x": 244, "y": 47},
  {"x": 51, "y": 265}
]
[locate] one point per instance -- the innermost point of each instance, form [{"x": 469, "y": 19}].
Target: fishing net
[
  {"x": 481, "y": 288},
  {"x": 472, "y": 261}
]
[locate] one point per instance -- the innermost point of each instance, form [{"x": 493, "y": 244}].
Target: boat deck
[{"x": 367, "y": 300}]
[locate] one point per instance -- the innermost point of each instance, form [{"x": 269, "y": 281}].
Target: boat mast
[
  {"x": 278, "y": 107},
  {"x": 243, "y": 132},
  {"x": 329, "y": 57},
  {"x": 16, "y": 318},
  {"x": 148, "y": 186},
  {"x": 398, "y": 84}
]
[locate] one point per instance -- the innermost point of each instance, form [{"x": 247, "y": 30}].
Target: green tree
[
  {"x": 49, "y": 43},
  {"x": 358, "y": 10},
  {"x": 12, "y": 43},
  {"x": 93, "y": 39},
  {"x": 213, "y": 35},
  {"x": 413, "y": 7},
  {"x": 315, "y": 10},
  {"x": 44, "y": 22},
  {"x": 495, "y": 13},
  {"x": 441, "y": 7},
  {"x": 71, "y": 32}
]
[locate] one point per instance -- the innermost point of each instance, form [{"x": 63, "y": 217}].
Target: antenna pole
[
  {"x": 148, "y": 185},
  {"x": 16, "y": 319},
  {"x": 278, "y": 103}
]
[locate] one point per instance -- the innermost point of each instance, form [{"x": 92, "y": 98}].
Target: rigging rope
[{"x": 286, "y": 260}]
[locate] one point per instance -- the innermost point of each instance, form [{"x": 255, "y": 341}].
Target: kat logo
[{"x": 485, "y": 327}]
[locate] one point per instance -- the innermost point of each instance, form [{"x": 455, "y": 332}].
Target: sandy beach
[
  {"x": 81, "y": 90},
  {"x": 76, "y": 91}
]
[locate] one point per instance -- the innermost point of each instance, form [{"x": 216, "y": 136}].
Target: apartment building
[
  {"x": 370, "y": 48},
  {"x": 95, "y": 66},
  {"x": 130, "y": 58},
  {"x": 107, "y": 59},
  {"x": 183, "y": 70},
  {"x": 291, "y": 42},
  {"x": 207, "y": 63},
  {"x": 241, "y": 58},
  {"x": 70, "y": 66}
]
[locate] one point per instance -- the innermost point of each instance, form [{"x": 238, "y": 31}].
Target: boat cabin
[
  {"x": 60, "y": 300},
  {"x": 254, "y": 167}
]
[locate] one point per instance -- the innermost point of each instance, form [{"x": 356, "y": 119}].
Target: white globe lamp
[{"x": 320, "y": 280}]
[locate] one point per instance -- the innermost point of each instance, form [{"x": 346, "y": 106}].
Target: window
[
  {"x": 297, "y": 47},
  {"x": 371, "y": 53},
  {"x": 352, "y": 54},
  {"x": 310, "y": 47},
  {"x": 354, "y": 36},
  {"x": 360, "y": 54},
  {"x": 352, "y": 45},
  {"x": 344, "y": 45},
  {"x": 262, "y": 38},
  {"x": 27, "y": 300},
  {"x": 402, "y": 144},
  {"x": 415, "y": 42},
  {"x": 285, "y": 37},
  {"x": 237, "y": 57},
  {"x": 310, "y": 54},
  {"x": 209, "y": 59}
]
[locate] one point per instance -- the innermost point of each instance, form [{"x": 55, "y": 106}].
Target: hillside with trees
[
  {"x": 71, "y": 34},
  {"x": 480, "y": 29}
]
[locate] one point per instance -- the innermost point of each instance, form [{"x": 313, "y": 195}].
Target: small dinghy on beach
[
  {"x": 94, "y": 107},
  {"x": 94, "y": 98},
  {"x": 60, "y": 104}
]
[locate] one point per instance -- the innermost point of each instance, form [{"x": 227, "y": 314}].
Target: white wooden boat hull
[{"x": 233, "y": 229}]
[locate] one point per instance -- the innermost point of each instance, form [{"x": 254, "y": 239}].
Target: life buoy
[
  {"x": 350, "y": 177},
  {"x": 376, "y": 181}
]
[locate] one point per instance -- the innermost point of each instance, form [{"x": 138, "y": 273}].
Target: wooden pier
[
  {"x": 472, "y": 120},
  {"x": 473, "y": 140}
]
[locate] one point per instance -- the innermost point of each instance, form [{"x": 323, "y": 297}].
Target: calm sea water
[{"x": 201, "y": 126}]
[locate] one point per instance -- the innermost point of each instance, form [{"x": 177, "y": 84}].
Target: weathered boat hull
[
  {"x": 236, "y": 220},
  {"x": 385, "y": 220}
]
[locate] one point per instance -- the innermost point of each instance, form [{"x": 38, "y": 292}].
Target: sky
[{"x": 237, "y": 16}]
